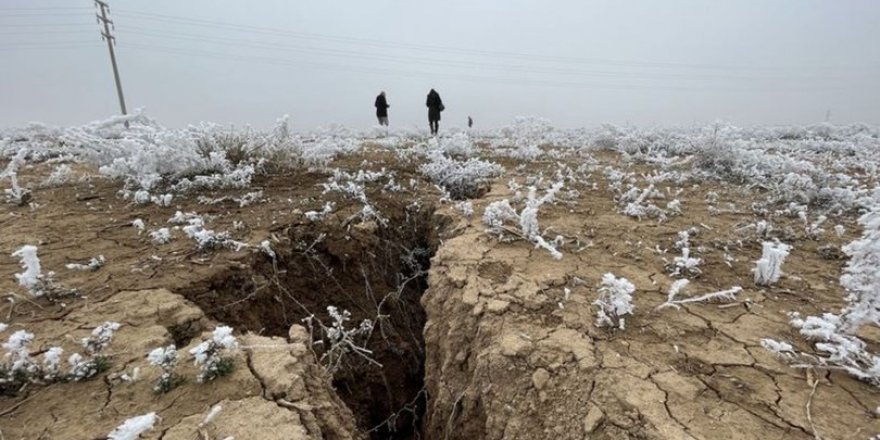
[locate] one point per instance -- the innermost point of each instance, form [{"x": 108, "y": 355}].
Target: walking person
[
  {"x": 470, "y": 122},
  {"x": 435, "y": 106},
  {"x": 382, "y": 109}
]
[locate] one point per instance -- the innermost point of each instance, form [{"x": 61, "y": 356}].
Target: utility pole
[{"x": 111, "y": 41}]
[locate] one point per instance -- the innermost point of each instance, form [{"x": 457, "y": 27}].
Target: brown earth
[{"x": 492, "y": 349}]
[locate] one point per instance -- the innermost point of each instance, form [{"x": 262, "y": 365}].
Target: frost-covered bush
[
  {"x": 834, "y": 336},
  {"x": 165, "y": 358},
  {"x": 835, "y": 348},
  {"x": 212, "y": 355},
  {"x": 94, "y": 264},
  {"x": 861, "y": 276},
  {"x": 636, "y": 203},
  {"x": 497, "y": 214},
  {"x": 768, "y": 268},
  {"x": 15, "y": 194},
  {"x": 317, "y": 216},
  {"x": 32, "y": 278},
  {"x": 18, "y": 368},
  {"x": 160, "y": 236},
  {"x": 459, "y": 144},
  {"x": 614, "y": 302},
  {"x": 679, "y": 285},
  {"x": 132, "y": 428},
  {"x": 463, "y": 179},
  {"x": 340, "y": 341},
  {"x": 207, "y": 239},
  {"x": 354, "y": 186},
  {"x": 60, "y": 175},
  {"x": 684, "y": 264},
  {"x": 94, "y": 362}
]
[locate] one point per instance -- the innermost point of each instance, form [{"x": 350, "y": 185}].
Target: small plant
[
  {"x": 769, "y": 267},
  {"x": 132, "y": 428},
  {"x": 94, "y": 264},
  {"x": 679, "y": 285},
  {"x": 18, "y": 367},
  {"x": 615, "y": 301},
  {"x": 834, "y": 337},
  {"x": 338, "y": 340},
  {"x": 463, "y": 179},
  {"x": 498, "y": 213},
  {"x": 32, "y": 278},
  {"x": 95, "y": 362},
  {"x": 16, "y": 194},
  {"x": 160, "y": 236},
  {"x": 207, "y": 239},
  {"x": 685, "y": 265},
  {"x": 211, "y": 357},
  {"x": 316, "y": 216},
  {"x": 165, "y": 358}
]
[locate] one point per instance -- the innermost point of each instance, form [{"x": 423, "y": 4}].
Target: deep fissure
[{"x": 376, "y": 272}]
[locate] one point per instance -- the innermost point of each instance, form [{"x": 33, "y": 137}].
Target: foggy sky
[{"x": 575, "y": 62}]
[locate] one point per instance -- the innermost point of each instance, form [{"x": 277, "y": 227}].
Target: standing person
[
  {"x": 470, "y": 122},
  {"x": 382, "y": 109},
  {"x": 435, "y": 106}
]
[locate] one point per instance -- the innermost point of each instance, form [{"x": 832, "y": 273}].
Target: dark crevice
[{"x": 374, "y": 271}]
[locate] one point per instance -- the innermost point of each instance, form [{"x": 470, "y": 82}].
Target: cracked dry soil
[{"x": 488, "y": 345}]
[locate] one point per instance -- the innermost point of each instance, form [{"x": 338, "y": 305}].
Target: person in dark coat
[
  {"x": 435, "y": 106},
  {"x": 382, "y": 109},
  {"x": 470, "y": 122}
]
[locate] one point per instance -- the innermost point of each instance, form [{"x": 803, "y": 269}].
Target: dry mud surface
[{"x": 497, "y": 341}]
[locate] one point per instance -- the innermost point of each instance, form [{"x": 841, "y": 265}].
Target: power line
[
  {"x": 50, "y": 32},
  {"x": 38, "y": 25},
  {"x": 444, "y": 49},
  {"x": 42, "y": 14},
  {"x": 80, "y": 8},
  {"x": 138, "y": 30},
  {"x": 63, "y": 45},
  {"x": 496, "y": 80}
]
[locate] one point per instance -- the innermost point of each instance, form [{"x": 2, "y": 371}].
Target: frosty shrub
[
  {"x": 139, "y": 225},
  {"x": 60, "y": 175},
  {"x": 15, "y": 194},
  {"x": 18, "y": 368},
  {"x": 679, "y": 285},
  {"x": 338, "y": 340},
  {"x": 638, "y": 206},
  {"x": 354, "y": 186},
  {"x": 94, "y": 362},
  {"x": 614, "y": 302},
  {"x": 685, "y": 265},
  {"x": 499, "y": 213},
  {"x": 165, "y": 358},
  {"x": 835, "y": 348},
  {"x": 132, "y": 428},
  {"x": 160, "y": 236},
  {"x": 459, "y": 144},
  {"x": 861, "y": 277},
  {"x": 212, "y": 355},
  {"x": 32, "y": 278},
  {"x": 466, "y": 207},
  {"x": 207, "y": 239},
  {"x": 94, "y": 264},
  {"x": 317, "y": 216},
  {"x": 834, "y": 336},
  {"x": 463, "y": 179},
  {"x": 768, "y": 268}
]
